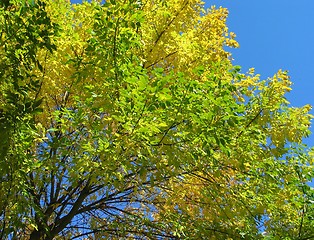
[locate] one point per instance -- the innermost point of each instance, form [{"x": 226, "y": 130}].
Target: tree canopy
[{"x": 128, "y": 120}]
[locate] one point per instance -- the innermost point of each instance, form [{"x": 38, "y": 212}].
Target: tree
[
  {"x": 128, "y": 120},
  {"x": 19, "y": 102}
]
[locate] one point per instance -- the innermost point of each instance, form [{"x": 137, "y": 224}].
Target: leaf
[{"x": 129, "y": 118}]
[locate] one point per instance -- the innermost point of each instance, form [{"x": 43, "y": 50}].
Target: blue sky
[{"x": 276, "y": 34}]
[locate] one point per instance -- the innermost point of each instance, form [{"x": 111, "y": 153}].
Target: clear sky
[{"x": 276, "y": 34}]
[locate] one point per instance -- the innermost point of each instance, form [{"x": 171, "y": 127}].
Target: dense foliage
[{"x": 128, "y": 120}]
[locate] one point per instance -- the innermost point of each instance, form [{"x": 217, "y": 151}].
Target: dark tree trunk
[{"x": 37, "y": 235}]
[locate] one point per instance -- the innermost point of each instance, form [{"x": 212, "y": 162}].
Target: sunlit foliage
[{"x": 128, "y": 120}]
